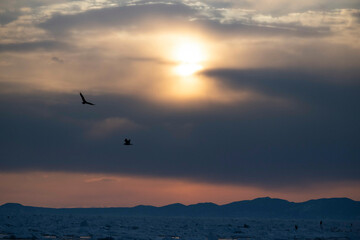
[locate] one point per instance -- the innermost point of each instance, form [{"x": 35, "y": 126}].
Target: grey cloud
[
  {"x": 124, "y": 17},
  {"x": 110, "y": 126},
  {"x": 146, "y": 59},
  {"x": 326, "y": 87},
  {"x": 258, "y": 143},
  {"x": 58, "y": 60},
  {"x": 8, "y": 16},
  {"x": 11, "y": 10},
  {"x": 33, "y": 46},
  {"x": 278, "y": 8},
  {"x": 330, "y": 5},
  {"x": 155, "y": 16},
  {"x": 251, "y": 28},
  {"x": 252, "y": 143},
  {"x": 357, "y": 16},
  {"x": 18, "y": 4}
]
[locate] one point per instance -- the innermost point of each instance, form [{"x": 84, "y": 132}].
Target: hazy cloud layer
[
  {"x": 125, "y": 17},
  {"x": 32, "y": 46},
  {"x": 139, "y": 18},
  {"x": 254, "y": 143},
  {"x": 111, "y": 126},
  {"x": 266, "y": 96}
]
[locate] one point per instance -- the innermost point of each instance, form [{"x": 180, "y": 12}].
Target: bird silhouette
[
  {"x": 84, "y": 101},
  {"x": 127, "y": 141}
]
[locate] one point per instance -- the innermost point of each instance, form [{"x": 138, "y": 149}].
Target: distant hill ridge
[{"x": 331, "y": 208}]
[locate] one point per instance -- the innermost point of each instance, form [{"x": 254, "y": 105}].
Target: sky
[{"x": 222, "y": 100}]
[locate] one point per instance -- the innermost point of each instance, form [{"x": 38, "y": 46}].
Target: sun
[
  {"x": 187, "y": 69},
  {"x": 189, "y": 56},
  {"x": 189, "y": 51}
]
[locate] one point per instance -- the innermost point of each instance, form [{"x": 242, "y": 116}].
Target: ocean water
[{"x": 103, "y": 227}]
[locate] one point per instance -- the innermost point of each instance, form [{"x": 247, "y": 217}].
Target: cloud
[
  {"x": 281, "y": 7},
  {"x": 124, "y": 17},
  {"x": 111, "y": 126},
  {"x": 58, "y": 60},
  {"x": 254, "y": 144},
  {"x": 276, "y": 106},
  {"x": 32, "y": 46},
  {"x": 141, "y": 18},
  {"x": 101, "y": 179},
  {"x": 299, "y": 85},
  {"x": 7, "y": 17},
  {"x": 65, "y": 19}
]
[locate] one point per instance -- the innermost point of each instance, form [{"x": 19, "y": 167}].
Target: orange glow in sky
[{"x": 59, "y": 189}]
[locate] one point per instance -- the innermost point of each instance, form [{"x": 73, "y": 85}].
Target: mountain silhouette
[{"x": 332, "y": 208}]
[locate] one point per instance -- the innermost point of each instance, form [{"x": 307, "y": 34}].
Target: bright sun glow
[
  {"x": 189, "y": 56},
  {"x": 187, "y": 69},
  {"x": 189, "y": 52}
]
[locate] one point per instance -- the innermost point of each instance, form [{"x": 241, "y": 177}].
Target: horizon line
[{"x": 177, "y": 203}]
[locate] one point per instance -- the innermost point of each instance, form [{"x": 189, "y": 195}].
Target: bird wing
[
  {"x": 82, "y": 97},
  {"x": 89, "y": 103}
]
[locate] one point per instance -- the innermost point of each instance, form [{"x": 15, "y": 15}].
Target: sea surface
[{"x": 104, "y": 227}]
